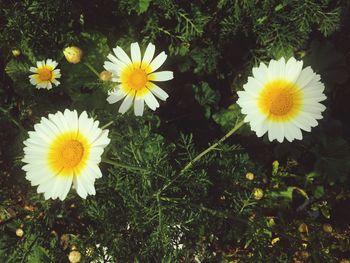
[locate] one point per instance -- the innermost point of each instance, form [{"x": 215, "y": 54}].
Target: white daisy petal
[
  {"x": 126, "y": 103},
  {"x": 149, "y": 53},
  {"x": 116, "y": 96},
  {"x": 158, "y": 61},
  {"x": 151, "y": 101},
  {"x": 139, "y": 106},
  {"x": 135, "y": 52},
  {"x": 161, "y": 76},
  {"x": 158, "y": 92},
  {"x": 121, "y": 55}
]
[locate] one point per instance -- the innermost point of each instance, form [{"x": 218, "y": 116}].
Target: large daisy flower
[
  {"x": 45, "y": 74},
  {"x": 136, "y": 77},
  {"x": 64, "y": 148},
  {"x": 282, "y": 99}
]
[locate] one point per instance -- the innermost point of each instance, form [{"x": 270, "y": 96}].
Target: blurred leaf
[
  {"x": 143, "y": 5},
  {"x": 228, "y": 118}
]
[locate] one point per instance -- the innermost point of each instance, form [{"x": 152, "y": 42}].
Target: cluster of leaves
[{"x": 147, "y": 208}]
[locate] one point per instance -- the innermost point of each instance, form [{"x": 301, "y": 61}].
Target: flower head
[
  {"x": 45, "y": 74},
  {"x": 73, "y": 54},
  {"x": 136, "y": 77},
  {"x": 282, "y": 99},
  {"x": 16, "y": 52},
  {"x": 64, "y": 148}
]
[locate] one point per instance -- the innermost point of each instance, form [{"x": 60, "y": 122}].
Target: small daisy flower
[
  {"x": 282, "y": 99},
  {"x": 45, "y": 74},
  {"x": 64, "y": 148},
  {"x": 136, "y": 77}
]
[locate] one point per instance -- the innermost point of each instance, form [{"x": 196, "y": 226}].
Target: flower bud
[
  {"x": 19, "y": 232},
  {"x": 249, "y": 176},
  {"x": 16, "y": 52},
  {"x": 327, "y": 228},
  {"x": 258, "y": 193},
  {"x": 105, "y": 75},
  {"x": 74, "y": 256},
  {"x": 73, "y": 54}
]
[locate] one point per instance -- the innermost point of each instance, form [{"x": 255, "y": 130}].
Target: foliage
[{"x": 148, "y": 208}]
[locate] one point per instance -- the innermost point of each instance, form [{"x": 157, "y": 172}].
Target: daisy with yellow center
[
  {"x": 282, "y": 99},
  {"x": 64, "y": 148},
  {"x": 135, "y": 77},
  {"x": 45, "y": 74}
]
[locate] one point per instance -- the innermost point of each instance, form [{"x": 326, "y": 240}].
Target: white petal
[
  {"x": 260, "y": 73},
  {"x": 161, "y": 76},
  {"x": 151, "y": 101},
  {"x": 158, "y": 61},
  {"x": 121, "y": 55},
  {"x": 139, "y": 106},
  {"x": 305, "y": 77},
  {"x": 126, "y": 103},
  {"x": 160, "y": 93},
  {"x": 116, "y": 96},
  {"x": 102, "y": 140},
  {"x": 149, "y": 53},
  {"x": 135, "y": 52},
  {"x": 293, "y": 69},
  {"x": 33, "y": 69}
]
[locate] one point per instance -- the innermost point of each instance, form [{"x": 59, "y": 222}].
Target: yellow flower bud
[
  {"x": 105, "y": 75},
  {"x": 275, "y": 240},
  {"x": 303, "y": 228},
  {"x": 258, "y": 193},
  {"x": 327, "y": 228},
  {"x": 19, "y": 232},
  {"x": 16, "y": 52},
  {"x": 73, "y": 54},
  {"x": 249, "y": 176},
  {"x": 74, "y": 256}
]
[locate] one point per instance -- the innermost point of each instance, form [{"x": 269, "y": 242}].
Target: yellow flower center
[
  {"x": 280, "y": 100},
  {"x": 68, "y": 153},
  {"x": 136, "y": 78},
  {"x": 45, "y": 74}
]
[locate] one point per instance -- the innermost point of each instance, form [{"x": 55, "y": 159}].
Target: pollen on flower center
[
  {"x": 138, "y": 79},
  {"x": 68, "y": 152},
  {"x": 45, "y": 74},
  {"x": 280, "y": 99},
  {"x": 71, "y": 153}
]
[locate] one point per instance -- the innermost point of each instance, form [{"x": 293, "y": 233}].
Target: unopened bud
[
  {"x": 74, "y": 256},
  {"x": 105, "y": 75},
  {"x": 73, "y": 54},
  {"x": 16, "y": 52},
  {"x": 258, "y": 193},
  {"x": 249, "y": 176},
  {"x": 19, "y": 232}
]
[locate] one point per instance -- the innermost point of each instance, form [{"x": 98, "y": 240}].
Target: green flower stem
[
  {"x": 128, "y": 167},
  {"x": 107, "y": 125},
  {"x": 92, "y": 69},
  {"x": 213, "y": 147}
]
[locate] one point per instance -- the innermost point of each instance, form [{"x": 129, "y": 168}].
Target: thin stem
[
  {"x": 128, "y": 167},
  {"x": 92, "y": 69},
  {"x": 212, "y": 147},
  {"x": 106, "y": 125}
]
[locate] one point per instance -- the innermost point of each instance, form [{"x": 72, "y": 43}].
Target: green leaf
[
  {"x": 319, "y": 191},
  {"x": 143, "y": 6},
  {"x": 227, "y": 119}
]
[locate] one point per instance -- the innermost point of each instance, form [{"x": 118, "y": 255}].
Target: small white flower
[
  {"x": 45, "y": 74},
  {"x": 282, "y": 99},
  {"x": 64, "y": 148},
  {"x": 136, "y": 77}
]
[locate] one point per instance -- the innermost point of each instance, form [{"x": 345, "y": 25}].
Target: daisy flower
[
  {"x": 63, "y": 149},
  {"x": 282, "y": 99},
  {"x": 136, "y": 77},
  {"x": 45, "y": 74}
]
